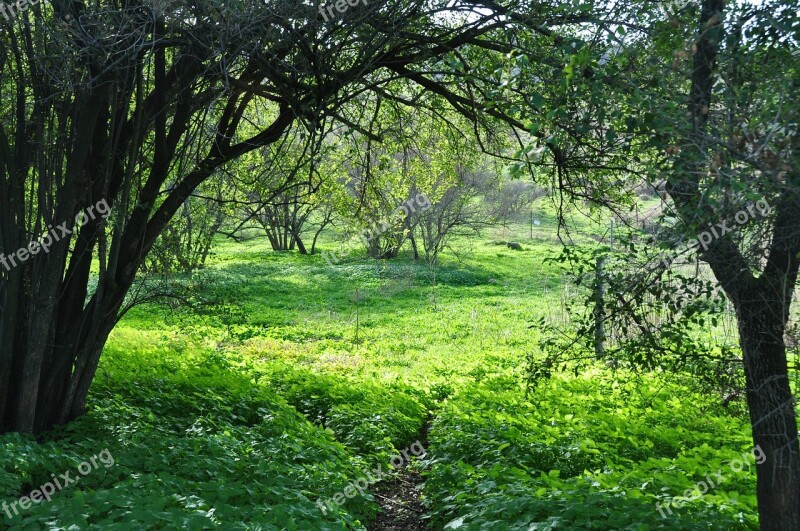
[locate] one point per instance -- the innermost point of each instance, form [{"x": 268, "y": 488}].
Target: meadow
[{"x": 275, "y": 380}]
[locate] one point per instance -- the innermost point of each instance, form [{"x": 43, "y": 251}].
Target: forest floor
[
  {"x": 400, "y": 498},
  {"x": 255, "y": 405},
  {"x": 401, "y": 507}
]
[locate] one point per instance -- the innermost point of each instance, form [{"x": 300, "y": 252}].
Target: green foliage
[
  {"x": 372, "y": 420},
  {"x": 585, "y": 453},
  {"x": 186, "y": 241},
  {"x": 646, "y": 317},
  {"x": 197, "y": 445},
  {"x": 244, "y": 410}
]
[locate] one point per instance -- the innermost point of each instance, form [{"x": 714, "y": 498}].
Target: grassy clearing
[{"x": 294, "y": 377}]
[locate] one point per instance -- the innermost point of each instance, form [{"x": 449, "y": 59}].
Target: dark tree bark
[
  {"x": 327, "y": 219},
  {"x": 300, "y": 247},
  {"x": 760, "y": 311},
  {"x": 762, "y": 308},
  {"x": 52, "y": 335},
  {"x": 414, "y": 245}
]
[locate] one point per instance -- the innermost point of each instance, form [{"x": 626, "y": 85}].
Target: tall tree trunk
[{"x": 762, "y": 319}]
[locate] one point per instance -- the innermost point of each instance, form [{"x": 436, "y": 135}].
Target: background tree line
[{"x": 294, "y": 192}]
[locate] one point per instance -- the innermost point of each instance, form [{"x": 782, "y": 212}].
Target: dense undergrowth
[
  {"x": 196, "y": 445},
  {"x": 287, "y": 379},
  {"x": 586, "y": 453}
]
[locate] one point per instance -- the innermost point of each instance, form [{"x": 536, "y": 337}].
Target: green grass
[{"x": 286, "y": 378}]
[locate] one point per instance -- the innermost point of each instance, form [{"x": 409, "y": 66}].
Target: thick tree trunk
[
  {"x": 763, "y": 305},
  {"x": 57, "y": 392},
  {"x": 301, "y": 248},
  {"x": 772, "y": 407}
]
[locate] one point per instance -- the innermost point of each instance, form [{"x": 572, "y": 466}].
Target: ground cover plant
[{"x": 247, "y": 412}]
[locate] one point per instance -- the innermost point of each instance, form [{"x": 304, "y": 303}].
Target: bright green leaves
[
  {"x": 201, "y": 448},
  {"x": 579, "y": 456}
]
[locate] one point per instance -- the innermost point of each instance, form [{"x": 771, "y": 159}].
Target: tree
[
  {"x": 137, "y": 106},
  {"x": 185, "y": 243},
  {"x": 416, "y": 151},
  {"x": 399, "y": 156},
  {"x": 377, "y": 160},
  {"x": 511, "y": 199},
  {"x": 705, "y": 101},
  {"x": 748, "y": 131},
  {"x": 454, "y": 211},
  {"x": 284, "y": 190}
]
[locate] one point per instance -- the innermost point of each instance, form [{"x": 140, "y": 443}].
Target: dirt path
[{"x": 401, "y": 508}]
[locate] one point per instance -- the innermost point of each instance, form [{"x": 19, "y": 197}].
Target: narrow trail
[
  {"x": 399, "y": 500},
  {"x": 401, "y": 507}
]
